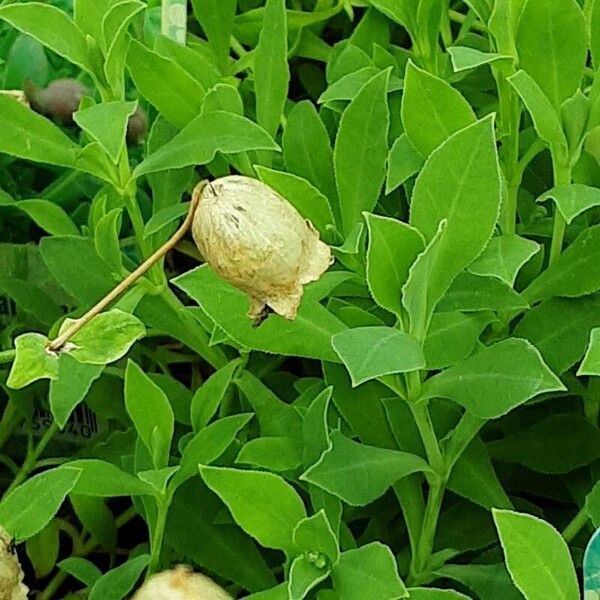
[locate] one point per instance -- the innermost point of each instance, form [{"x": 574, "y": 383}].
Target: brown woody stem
[{"x": 64, "y": 337}]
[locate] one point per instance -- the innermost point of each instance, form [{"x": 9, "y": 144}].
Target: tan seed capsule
[
  {"x": 258, "y": 242},
  {"x": 11, "y": 575},
  {"x": 180, "y": 584}
]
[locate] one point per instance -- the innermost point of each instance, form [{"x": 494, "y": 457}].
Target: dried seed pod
[
  {"x": 258, "y": 242},
  {"x": 59, "y": 100},
  {"x": 11, "y": 574},
  {"x": 137, "y": 126},
  {"x": 180, "y": 584}
]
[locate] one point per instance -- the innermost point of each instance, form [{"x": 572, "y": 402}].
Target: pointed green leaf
[{"x": 33, "y": 361}]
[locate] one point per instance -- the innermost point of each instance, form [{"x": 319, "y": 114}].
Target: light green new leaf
[
  {"x": 106, "y": 338},
  {"x": 576, "y": 272},
  {"x": 314, "y": 535},
  {"x": 464, "y": 58},
  {"x": 348, "y": 86},
  {"x": 404, "y": 161},
  {"x": 545, "y": 117},
  {"x": 591, "y": 361},
  {"x": 29, "y": 507},
  {"x": 166, "y": 85},
  {"x": 71, "y": 386},
  {"x": 263, "y": 504},
  {"x": 432, "y": 110},
  {"x": 102, "y": 479},
  {"x": 537, "y": 557},
  {"x": 368, "y": 573},
  {"x": 302, "y": 195},
  {"x": 151, "y": 413},
  {"x": 552, "y": 45},
  {"x": 107, "y": 124},
  {"x": 52, "y": 27},
  {"x": 117, "y": 583},
  {"x": 271, "y": 69},
  {"x": 45, "y": 214},
  {"x": 370, "y": 352},
  {"x": 504, "y": 256},
  {"x": 25, "y": 134},
  {"x": 572, "y": 200},
  {"x": 393, "y": 248},
  {"x": 361, "y": 151},
  {"x": 459, "y": 186},
  {"x": 359, "y": 474},
  {"x": 496, "y": 379},
  {"x": 32, "y": 361},
  {"x": 207, "y": 134},
  {"x": 88, "y": 15},
  {"x": 304, "y": 576},
  {"x": 307, "y": 150},
  {"x": 277, "y": 454}
]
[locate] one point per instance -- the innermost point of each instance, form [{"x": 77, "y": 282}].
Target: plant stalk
[
  {"x": 56, "y": 344},
  {"x": 562, "y": 176},
  {"x": 576, "y": 525}
]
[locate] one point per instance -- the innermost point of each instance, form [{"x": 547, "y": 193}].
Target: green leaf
[
  {"x": 309, "y": 335},
  {"x": 199, "y": 142},
  {"x": 552, "y": 45},
  {"x": 28, "y": 135},
  {"x": 370, "y": 352},
  {"x": 210, "y": 394},
  {"x": 276, "y": 454},
  {"x": 315, "y": 431},
  {"x": 118, "y": 582},
  {"x": 102, "y": 479},
  {"x": 504, "y": 256},
  {"x": 555, "y": 445},
  {"x": 106, "y": 338},
  {"x": 52, "y": 27},
  {"x": 452, "y": 337},
  {"x": 592, "y": 504},
  {"x": 115, "y": 25},
  {"x": 470, "y": 292},
  {"x": 81, "y": 569},
  {"x": 536, "y": 556},
  {"x": 368, "y": 573},
  {"x": 70, "y": 387},
  {"x": 487, "y": 581},
  {"x": 595, "y": 34},
  {"x": 166, "y": 85},
  {"x": 559, "y": 328},
  {"x": 361, "y": 150},
  {"x": 33, "y": 361},
  {"x": 348, "y": 86},
  {"x": 216, "y": 18},
  {"x": 359, "y": 474},
  {"x": 208, "y": 445},
  {"x": 464, "y": 58},
  {"x": 97, "y": 519},
  {"x": 107, "y": 124},
  {"x": 29, "y": 508},
  {"x": 307, "y": 150},
  {"x": 496, "y": 379},
  {"x": 276, "y": 418},
  {"x": 404, "y": 161},
  {"x": 459, "y": 185},
  {"x": 165, "y": 217},
  {"x": 150, "y": 412},
  {"x": 432, "y": 110},
  {"x": 393, "y": 248},
  {"x": 576, "y": 272},
  {"x": 591, "y": 361},
  {"x": 262, "y": 504},
  {"x": 302, "y": 195},
  {"x": 572, "y": 200},
  {"x": 64, "y": 257},
  {"x": 47, "y": 215},
  {"x": 435, "y": 594},
  {"x": 271, "y": 70},
  {"x": 43, "y": 548},
  {"x": 546, "y": 119}
]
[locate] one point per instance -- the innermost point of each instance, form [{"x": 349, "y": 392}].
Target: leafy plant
[{"x": 427, "y": 425}]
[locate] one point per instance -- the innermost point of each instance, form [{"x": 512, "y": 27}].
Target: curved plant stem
[
  {"x": 576, "y": 525},
  {"x": 158, "y": 533},
  {"x": 62, "y": 339},
  {"x": 7, "y": 356}
]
